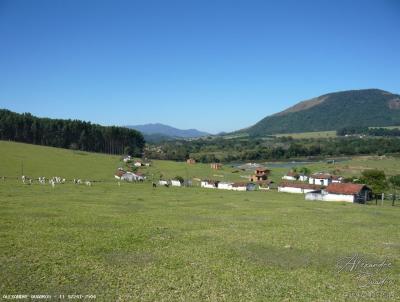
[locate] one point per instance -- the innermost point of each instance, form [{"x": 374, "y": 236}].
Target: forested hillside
[
  {"x": 72, "y": 134},
  {"x": 367, "y": 108}
]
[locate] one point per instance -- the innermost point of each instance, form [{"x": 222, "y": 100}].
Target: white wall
[
  {"x": 288, "y": 177},
  {"x": 294, "y": 190},
  {"x": 225, "y": 186},
  {"x": 319, "y": 181},
  {"x": 330, "y": 197}
]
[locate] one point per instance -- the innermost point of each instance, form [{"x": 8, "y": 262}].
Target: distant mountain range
[
  {"x": 367, "y": 107},
  {"x": 159, "y": 131}
]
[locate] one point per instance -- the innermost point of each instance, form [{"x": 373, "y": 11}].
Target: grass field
[
  {"x": 136, "y": 243},
  {"x": 316, "y": 134}
]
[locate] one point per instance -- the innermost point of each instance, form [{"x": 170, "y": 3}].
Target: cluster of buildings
[
  {"x": 318, "y": 186},
  {"x": 325, "y": 187},
  {"x": 137, "y": 163},
  {"x": 258, "y": 181}
]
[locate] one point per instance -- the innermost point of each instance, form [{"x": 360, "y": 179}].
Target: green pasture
[{"x": 132, "y": 242}]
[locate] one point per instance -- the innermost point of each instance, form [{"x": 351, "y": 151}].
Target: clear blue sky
[{"x": 211, "y": 65}]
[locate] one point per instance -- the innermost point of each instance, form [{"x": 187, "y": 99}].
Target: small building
[
  {"x": 216, "y": 166},
  {"x": 210, "y": 184},
  {"x": 300, "y": 188},
  {"x": 291, "y": 176},
  {"x": 225, "y": 185},
  {"x": 260, "y": 174},
  {"x": 322, "y": 179},
  {"x": 348, "y": 192},
  {"x": 190, "y": 161}
]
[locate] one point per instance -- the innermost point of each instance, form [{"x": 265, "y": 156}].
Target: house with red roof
[
  {"x": 348, "y": 192},
  {"x": 324, "y": 179}
]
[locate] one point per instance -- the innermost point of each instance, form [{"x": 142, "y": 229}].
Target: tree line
[
  {"x": 72, "y": 134},
  {"x": 368, "y": 131},
  {"x": 280, "y": 148}
]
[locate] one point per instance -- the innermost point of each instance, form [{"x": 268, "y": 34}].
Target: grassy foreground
[{"x": 136, "y": 243}]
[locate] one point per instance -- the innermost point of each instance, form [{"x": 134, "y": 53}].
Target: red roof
[
  {"x": 291, "y": 173},
  {"x": 300, "y": 185},
  {"x": 345, "y": 188}
]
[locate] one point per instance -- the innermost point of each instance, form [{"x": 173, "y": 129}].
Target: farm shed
[{"x": 347, "y": 192}]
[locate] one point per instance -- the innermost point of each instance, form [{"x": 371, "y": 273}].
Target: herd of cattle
[{"x": 53, "y": 181}]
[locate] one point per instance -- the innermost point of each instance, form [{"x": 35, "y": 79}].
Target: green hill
[
  {"x": 49, "y": 161},
  {"x": 368, "y": 107}
]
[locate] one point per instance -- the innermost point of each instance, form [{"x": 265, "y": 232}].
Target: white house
[
  {"x": 291, "y": 176},
  {"x": 225, "y": 185},
  {"x": 347, "y": 192},
  {"x": 175, "y": 183},
  {"x": 299, "y": 188},
  {"x": 322, "y": 179}
]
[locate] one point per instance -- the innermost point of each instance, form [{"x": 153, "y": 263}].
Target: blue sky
[{"x": 211, "y": 65}]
